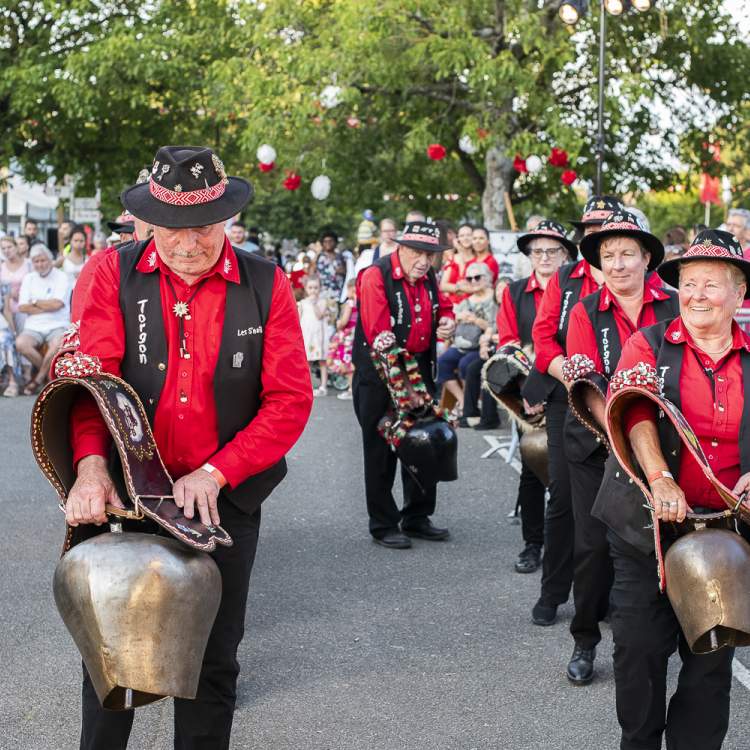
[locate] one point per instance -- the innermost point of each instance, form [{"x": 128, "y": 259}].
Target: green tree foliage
[{"x": 357, "y": 89}]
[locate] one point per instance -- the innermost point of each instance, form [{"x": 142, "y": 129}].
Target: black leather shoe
[
  {"x": 544, "y": 614},
  {"x": 425, "y": 530},
  {"x": 581, "y": 665},
  {"x": 530, "y": 559},
  {"x": 488, "y": 426},
  {"x": 393, "y": 540}
]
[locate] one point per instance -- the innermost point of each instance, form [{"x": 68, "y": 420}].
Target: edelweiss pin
[{"x": 181, "y": 310}]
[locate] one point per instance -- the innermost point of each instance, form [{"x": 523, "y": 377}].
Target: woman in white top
[{"x": 72, "y": 262}]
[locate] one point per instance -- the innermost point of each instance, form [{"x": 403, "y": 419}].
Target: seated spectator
[
  {"x": 23, "y": 246},
  {"x": 238, "y": 237},
  {"x": 44, "y": 299},
  {"x": 474, "y": 315},
  {"x": 10, "y": 365},
  {"x": 12, "y": 272}
]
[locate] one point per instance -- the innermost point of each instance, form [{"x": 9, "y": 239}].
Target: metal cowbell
[{"x": 140, "y": 609}]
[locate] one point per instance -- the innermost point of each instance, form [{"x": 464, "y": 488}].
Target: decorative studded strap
[{"x": 147, "y": 482}]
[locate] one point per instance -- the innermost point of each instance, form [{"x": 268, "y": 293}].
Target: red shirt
[
  {"x": 582, "y": 339},
  {"x": 186, "y": 432},
  {"x": 453, "y": 273},
  {"x": 544, "y": 333},
  {"x": 375, "y": 312},
  {"x": 507, "y": 317},
  {"x": 716, "y": 422}
]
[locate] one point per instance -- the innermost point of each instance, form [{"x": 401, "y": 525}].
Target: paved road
[{"x": 348, "y": 645}]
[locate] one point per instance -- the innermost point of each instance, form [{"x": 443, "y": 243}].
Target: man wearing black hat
[
  {"x": 398, "y": 293},
  {"x": 209, "y": 338},
  {"x": 571, "y": 283}
]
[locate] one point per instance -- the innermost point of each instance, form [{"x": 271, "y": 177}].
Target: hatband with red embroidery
[{"x": 186, "y": 197}]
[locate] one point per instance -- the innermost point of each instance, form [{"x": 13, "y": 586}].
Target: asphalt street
[{"x": 348, "y": 645}]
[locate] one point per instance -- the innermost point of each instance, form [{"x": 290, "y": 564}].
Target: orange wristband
[
  {"x": 659, "y": 475},
  {"x": 215, "y": 473}
]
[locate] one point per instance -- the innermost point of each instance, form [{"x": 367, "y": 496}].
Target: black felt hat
[
  {"x": 622, "y": 223},
  {"x": 422, "y": 235},
  {"x": 710, "y": 244},
  {"x": 552, "y": 230},
  {"x": 187, "y": 187},
  {"x": 596, "y": 210}
]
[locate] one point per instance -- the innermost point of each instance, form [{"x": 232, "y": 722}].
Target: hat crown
[
  {"x": 187, "y": 168},
  {"x": 602, "y": 203},
  {"x": 548, "y": 226},
  {"x": 426, "y": 229},
  {"x": 716, "y": 238},
  {"x": 621, "y": 218}
]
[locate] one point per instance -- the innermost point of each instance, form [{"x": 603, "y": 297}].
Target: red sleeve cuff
[{"x": 641, "y": 411}]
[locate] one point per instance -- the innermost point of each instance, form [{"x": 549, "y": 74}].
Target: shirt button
[
  {"x": 184, "y": 374},
  {"x": 714, "y": 443},
  {"x": 710, "y": 456},
  {"x": 180, "y": 416},
  {"x": 721, "y": 407},
  {"x": 162, "y": 366}
]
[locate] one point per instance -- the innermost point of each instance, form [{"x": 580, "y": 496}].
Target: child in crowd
[
  {"x": 342, "y": 342},
  {"x": 312, "y": 313}
]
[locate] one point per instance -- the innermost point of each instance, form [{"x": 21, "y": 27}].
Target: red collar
[
  {"x": 677, "y": 333},
  {"x": 225, "y": 266},
  {"x": 397, "y": 271},
  {"x": 582, "y": 269},
  {"x": 533, "y": 283},
  {"x": 651, "y": 293}
]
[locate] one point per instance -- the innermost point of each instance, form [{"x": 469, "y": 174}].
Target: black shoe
[
  {"x": 393, "y": 540},
  {"x": 425, "y": 530},
  {"x": 581, "y": 666},
  {"x": 488, "y": 426},
  {"x": 463, "y": 422},
  {"x": 530, "y": 559},
  {"x": 544, "y": 614}
]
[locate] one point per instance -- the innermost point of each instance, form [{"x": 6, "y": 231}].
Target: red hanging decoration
[
  {"x": 519, "y": 164},
  {"x": 293, "y": 181},
  {"x": 436, "y": 152},
  {"x": 558, "y": 157},
  {"x": 266, "y": 167},
  {"x": 482, "y": 133},
  {"x": 569, "y": 176}
]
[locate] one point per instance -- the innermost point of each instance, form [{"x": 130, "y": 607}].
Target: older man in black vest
[
  {"x": 208, "y": 336},
  {"x": 398, "y": 293}
]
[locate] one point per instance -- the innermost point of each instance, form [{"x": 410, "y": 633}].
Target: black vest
[
  {"x": 580, "y": 443},
  {"x": 236, "y": 389},
  {"x": 525, "y": 308},
  {"x": 398, "y": 303},
  {"x": 619, "y": 503}
]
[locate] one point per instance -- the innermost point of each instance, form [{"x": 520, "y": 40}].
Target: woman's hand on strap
[
  {"x": 92, "y": 492},
  {"x": 669, "y": 500}
]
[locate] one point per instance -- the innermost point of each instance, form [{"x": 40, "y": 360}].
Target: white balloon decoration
[
  {"x": 467, "y": 145},
  {"x": 533, "y": 164},
  {"x": 330, "y": 96},
  {"x": 321, "y": 187},
  {"x": 266, "y": 154}
]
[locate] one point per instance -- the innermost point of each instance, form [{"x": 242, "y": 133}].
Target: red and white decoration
[
  {"x": 436, "y": 152},
  {"x": 292, "y": 181},
  {"x": 266, "y": 154},
  {"x": 321, "y": 187},
  {"x": 186, "y": 197},
  {"x": 78, "y": 365}
]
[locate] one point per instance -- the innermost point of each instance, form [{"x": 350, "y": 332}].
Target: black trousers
[
  {"x": 531, "y": 503},
  {"x": 592, "y": 565},
  {"x": 474, "y": 394},
  {"x": 371, "y": 401},
  {"x": 557, "y": 564},
  {"x": 206, "y": 722},
  {"x": 646, "y": 633}
]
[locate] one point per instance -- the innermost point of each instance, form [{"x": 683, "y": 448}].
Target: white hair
[
  {"x": 39, "y": 249},
  {"x": 481, "y": 268}
]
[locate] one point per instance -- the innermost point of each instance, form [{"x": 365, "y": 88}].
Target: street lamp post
[{"x": 571, "y": 11}]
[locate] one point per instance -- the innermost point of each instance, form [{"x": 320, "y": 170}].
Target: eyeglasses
[
  {"x": 474, "y": 278},
  {"x": 549, "y": 252}
]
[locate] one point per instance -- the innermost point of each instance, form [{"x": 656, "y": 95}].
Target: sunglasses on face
[
  {"x": 549, "y": 252},
  {"x": 474, "y": 278}
]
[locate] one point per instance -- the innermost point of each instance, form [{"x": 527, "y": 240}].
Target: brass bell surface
[
  {"x": 140, "y": 608},
  {"x": 707, "y": 576},
  {"x": 534, "y": 452}
]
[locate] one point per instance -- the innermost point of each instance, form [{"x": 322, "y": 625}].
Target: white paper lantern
[
  {"x": 533, "y": 164},
  {"x": 266, "y": 154},
  {"x": 467, "y": 145},
  {"x": 321, "y": 187},
  {"x": 330, "y": 96}
]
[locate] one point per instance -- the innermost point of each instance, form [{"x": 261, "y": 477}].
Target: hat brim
[
  {"x": 581, "y": 225},
  {"x": 120, "y": 227},
  {"x": 669, "y": 272},
  {"x": 590, "y": 245},
  {"x": 426, "y": 246},
  {"x": 139, "y": 201},
  {"x": 523, "y": 242}
]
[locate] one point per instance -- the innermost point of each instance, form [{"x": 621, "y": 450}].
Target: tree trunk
[{"x": 498, "y": 180}]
